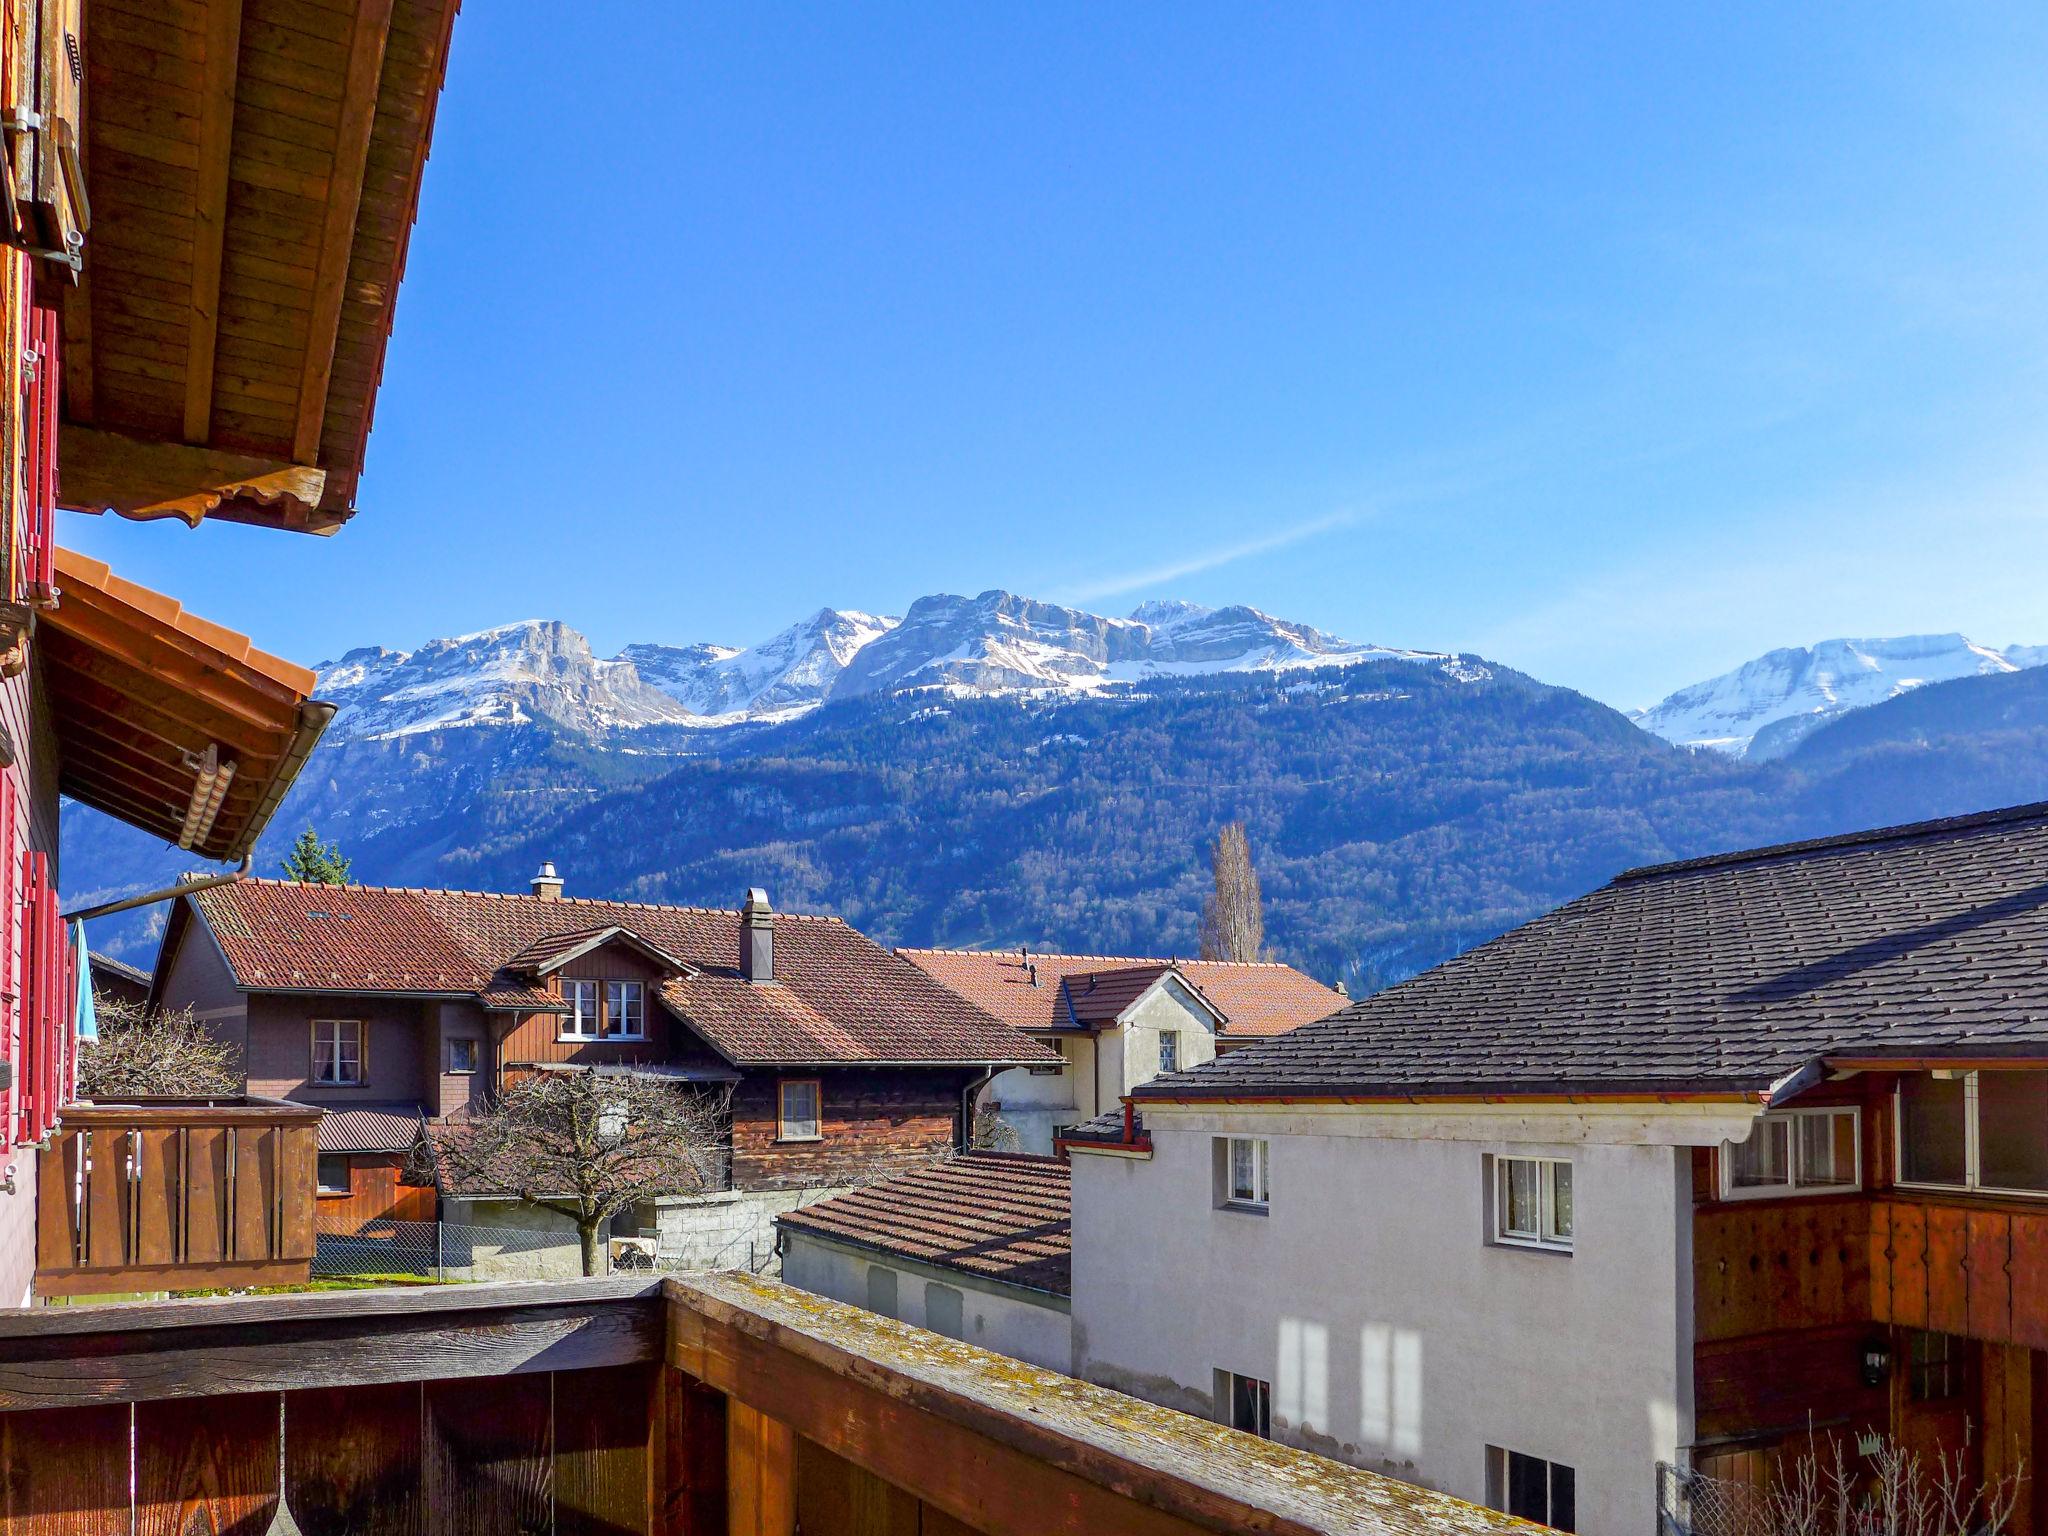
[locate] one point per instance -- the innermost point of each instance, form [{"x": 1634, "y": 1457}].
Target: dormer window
[
  {"x": 581, "y": 1022},
  {"x": 625, "y": 1004}
]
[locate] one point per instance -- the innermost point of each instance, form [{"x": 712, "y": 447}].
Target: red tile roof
[
  {"x": 838, "y": 997},
  {"x": 1098, "y": 998},
  {"x": 1002, "y": 1217},
  {"x": 1257, "y": 997}
]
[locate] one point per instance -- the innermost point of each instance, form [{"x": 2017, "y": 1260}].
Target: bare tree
[
  {"x": 589, "y": 1144},
  {"x": 1233, "y": 922},
  {"x": 163, "y": 1052},
  {"x": 991, "y": 1132},
  {"x": 1884, "y": 1491}
]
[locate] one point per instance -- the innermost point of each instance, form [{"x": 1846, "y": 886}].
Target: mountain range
[{"x": 996, "y": 770}]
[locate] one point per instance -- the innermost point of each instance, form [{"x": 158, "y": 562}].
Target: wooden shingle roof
[{"x": 1724, "y": 975}]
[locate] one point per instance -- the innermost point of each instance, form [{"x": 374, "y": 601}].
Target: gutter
[
  {"x": 168, "y": 893},
  {"x": 315, "y": 715}
]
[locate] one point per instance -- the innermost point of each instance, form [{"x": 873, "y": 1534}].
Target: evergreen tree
[
  {"x": 315, "y": 862},
  {"x": 1233, "y": 918}
]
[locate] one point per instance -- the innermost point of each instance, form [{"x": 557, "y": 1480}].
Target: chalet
[
  {"x": 1727, "y": 1154},
  {"x": 975, "y": 1247},
  {"x": 841, "y": 1061},
  {"x": 1117, "y": 1022}
]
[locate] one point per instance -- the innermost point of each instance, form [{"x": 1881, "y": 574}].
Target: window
[
  {"x": 1169, "y": 1050},
  {"x": 461, "y": 1054},
  {"x": 338, "y": 1053},
  {"x": 944, "y": 1311},
  {"x": 1792, "y": 1151},
  {"x": 797, "y": 1119},
  {"x": 1241, "y": 1180},
  {"x": 1052, "y": 1068},
  {"x": 580, "y": 1023},
  {"x": 1532, "y": 1202},
  {"x": 881, "y": 1290},
  {"x": 1934, "y": 1367},
  {"x": 624, "y": 1018},
  {"x": 1246, "y": 1403},
  {"x": 1975, "y": 1130},
  {"x": 1532, "y": 1489},
  {"x": 331, "y": 1174}
]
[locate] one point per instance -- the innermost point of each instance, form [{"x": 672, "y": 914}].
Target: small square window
[
  {"x": 1934, "y": 1367},
  {"x": 338, "y": 1053},
  {"x": 797, "y": 1115},
  {"x": 461, "y": 1054},
  {"x": 1241, "y": 1173},
  {"x": 1531, "y": 1488},
  {"x": 1246, "y": 1403},
  {"x": 1532, "y": 1202},
  {"x": 332, "y": 1174}
]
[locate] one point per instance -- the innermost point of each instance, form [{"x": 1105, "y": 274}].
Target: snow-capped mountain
[
  {"x": 1763, "y": 708},
  {"x": 543, "y": 671}
]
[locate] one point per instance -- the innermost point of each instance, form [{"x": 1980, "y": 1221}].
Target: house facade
[
  {"x": 1727, "y": 1160},
  {"x": 974, "y": 1247},
  {"x": 836, "y": 1061},
  {"x": 1116, "y": 1023}
]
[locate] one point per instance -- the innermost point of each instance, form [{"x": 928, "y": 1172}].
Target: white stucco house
[
  {"x": 1117, "y": 1022},
  {"x": 1654, "y": 1179},
  {"x": 974, "y": 1247}
]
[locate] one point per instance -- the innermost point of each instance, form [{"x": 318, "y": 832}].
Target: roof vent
[
  {"x": 1034, "y": 972},
  {"x": 757, "y": 937},
  {"x": 547, "y": 885}
]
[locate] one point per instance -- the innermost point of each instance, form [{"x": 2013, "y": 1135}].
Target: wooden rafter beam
[
  {"x": 210, "y": 212},
  {"x": 99, "y": 684},
  {"x": 372, "y": 26},
  {"x": 144, "y": 479}
]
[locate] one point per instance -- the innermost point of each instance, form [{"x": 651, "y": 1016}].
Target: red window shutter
[
  {"x": 39, "y": 430},
  {"x": 34, "y": 991},
  {"x": 13, "y": 895}
]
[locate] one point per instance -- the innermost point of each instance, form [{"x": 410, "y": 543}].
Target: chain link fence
[
  {"x": 1693, "y": 1504},
  {"x": 440, "y": 1250}
]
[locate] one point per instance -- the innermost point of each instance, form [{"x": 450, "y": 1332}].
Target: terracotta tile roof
[
  {"x": 1725, "y": 975},
  {"x": 1007, "y": 1218},
  {"x": 552, "y": 951},
  {"x": 1096, "y": 998},
  {"x": 371, "y": 1128},
  {"x": 838, "y": 997},
  {"x": 1257, "y": 997}
]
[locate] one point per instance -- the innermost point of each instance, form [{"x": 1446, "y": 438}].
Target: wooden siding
[
  {"x": 871, "y": 1123},
  {"x": 376, "y": 1193},
  {"x": 536, "y": 1037}
]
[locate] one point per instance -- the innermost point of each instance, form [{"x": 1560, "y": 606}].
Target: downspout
[
  {"x": 168, "y": 893},
  {"x": 967, "y": 1097}
]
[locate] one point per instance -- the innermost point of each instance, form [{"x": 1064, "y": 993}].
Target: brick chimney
[
  {"x": 547, "y": 885},
  {"x": 757, "y": 938}
]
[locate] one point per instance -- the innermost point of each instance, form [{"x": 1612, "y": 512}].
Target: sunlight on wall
[
  {"x": 1390, "y": 1388},
  {"x": 1301, "y": 1395}
]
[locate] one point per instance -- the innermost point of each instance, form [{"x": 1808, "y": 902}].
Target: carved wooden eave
[{"x": 144, "y": 480}]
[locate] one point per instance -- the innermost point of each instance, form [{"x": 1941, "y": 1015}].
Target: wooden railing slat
[
  {"x": 64, "y": 1472},
  {"x": 486, "y": 1460},
  {"x": 301, "y": 1151},
  {"x": 352, "y": 1458},
  {"x": 601, "y": 1453},
  {"x": 106, "y": 1199},
  {"x": 157, "y": 1196},
  {"x": 206, "y": 1176},
  {"x": 760, "y": 1473},
  {"x": 56, "y": 1204},
  {"x": 211, "y": 1471}
]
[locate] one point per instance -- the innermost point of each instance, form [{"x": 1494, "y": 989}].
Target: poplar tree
[{"x": 1233, "y": 923}]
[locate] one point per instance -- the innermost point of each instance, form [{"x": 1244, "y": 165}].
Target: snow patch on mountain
[
  {"x": 797, "y": 667},
  {"x": 1764, "y": 708}
]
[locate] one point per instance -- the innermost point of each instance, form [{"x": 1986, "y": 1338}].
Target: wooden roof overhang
[
  {"x": 252, "y": 170},
  {"x": 165, "y": 721}
]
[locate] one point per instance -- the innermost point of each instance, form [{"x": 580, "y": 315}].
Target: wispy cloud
[{"x": 1193, "y": 565}]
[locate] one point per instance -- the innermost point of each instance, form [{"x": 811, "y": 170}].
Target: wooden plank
[
  {"x": 1948, "y": 1296},
  {"x": 690, "y": 1435},
  {"x": 216, "y": 136},
  {"x": 344, "y": 197},
  {"x": 57, "y": 1204},
  {"x": 486, "y": 1460},
  {"x": 352, "y": 1460},
  {"x": 1909, "y": 1265},
  {"x": 1880, "y": 1242},
  {"x": 2029, "y": 1273},
  {"x": 213, "y": 1472},
  {"x": 138, "y": 478},
  {"x": 64, "y": 1472},
  {"x": 255, "y": 1191},
  {"x": 106, "y": 1200},
  {"x": 832, "y": 1494},
  {"x": 172, "y": 1277},
  {"x": 1988, "y": 1303},
  {"x": 601, "y": 1477},
  {"x": 158, "y": 1195},
  {"x": 298, "y": 1172},
  {"x": 130, "y": 1361},
  {"x": 760, "y": 1473}
]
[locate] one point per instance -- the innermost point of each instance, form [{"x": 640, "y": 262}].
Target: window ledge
[
  {"x": 1530, "y": 1245},
  {"x": 796, "y": 1141},
  {"x": 1245, "y": 1208}
]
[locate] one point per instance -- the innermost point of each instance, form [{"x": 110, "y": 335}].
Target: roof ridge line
[
  {"x": 1068, "y": 954},
  {"x": 591, "y": 901},
  {"x": 1909, "y": 831}
]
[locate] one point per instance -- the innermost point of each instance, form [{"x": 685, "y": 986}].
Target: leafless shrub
[
  {"x": 991, "y": 1132},
  {"x": 141, "y": 1052},
  {"x": 1886, "y": 1490}
]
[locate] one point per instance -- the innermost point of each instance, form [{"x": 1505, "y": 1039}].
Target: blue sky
[{"x": 1616, "y": 343}]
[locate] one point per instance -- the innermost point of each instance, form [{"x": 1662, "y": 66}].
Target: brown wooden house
[{"x": 841, "y": 1060}]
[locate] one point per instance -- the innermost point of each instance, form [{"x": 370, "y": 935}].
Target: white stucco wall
[
  {"x": 1167, "y": 1006},
  {"x": 1025, "y": 1325},
  {"x": 1036, "y": 1106},
  {"x": 1396, "y": 1336}
]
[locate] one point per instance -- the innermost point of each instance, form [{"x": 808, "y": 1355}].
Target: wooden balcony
[
  {"x": 176, "y": 1194},
  {"x": 721, "y": 1404}
]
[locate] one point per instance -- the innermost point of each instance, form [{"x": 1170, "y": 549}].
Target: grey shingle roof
[{"x": 1724, "y": 974}]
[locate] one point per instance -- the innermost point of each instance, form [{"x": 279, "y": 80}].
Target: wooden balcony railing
[
  {"x": 721, "y": 1405},
  {"x": 176, "y": 1194}
]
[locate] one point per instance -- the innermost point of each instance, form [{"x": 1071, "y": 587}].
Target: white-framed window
[
  {"x": 1983, "y": 1129},
  {"x": 1169, "y": 1050},
  {"x": 1532, "y": 1202},
  {"x": 1241, "y": 1172},
  {"x": 338, "y": 1053},
  {"x": 1531, "y": 1488},
  {"x": 580, "y": 998},
  {"x": 331, "y": 1174},
  {"x": 797, "y": 1109},
  {"x": 1794, "y": 1152},
  {"x": 1245, "y": 1402},
  {"x": 461, "y": 1053},
  {"x": 625, "y": 1016}
]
